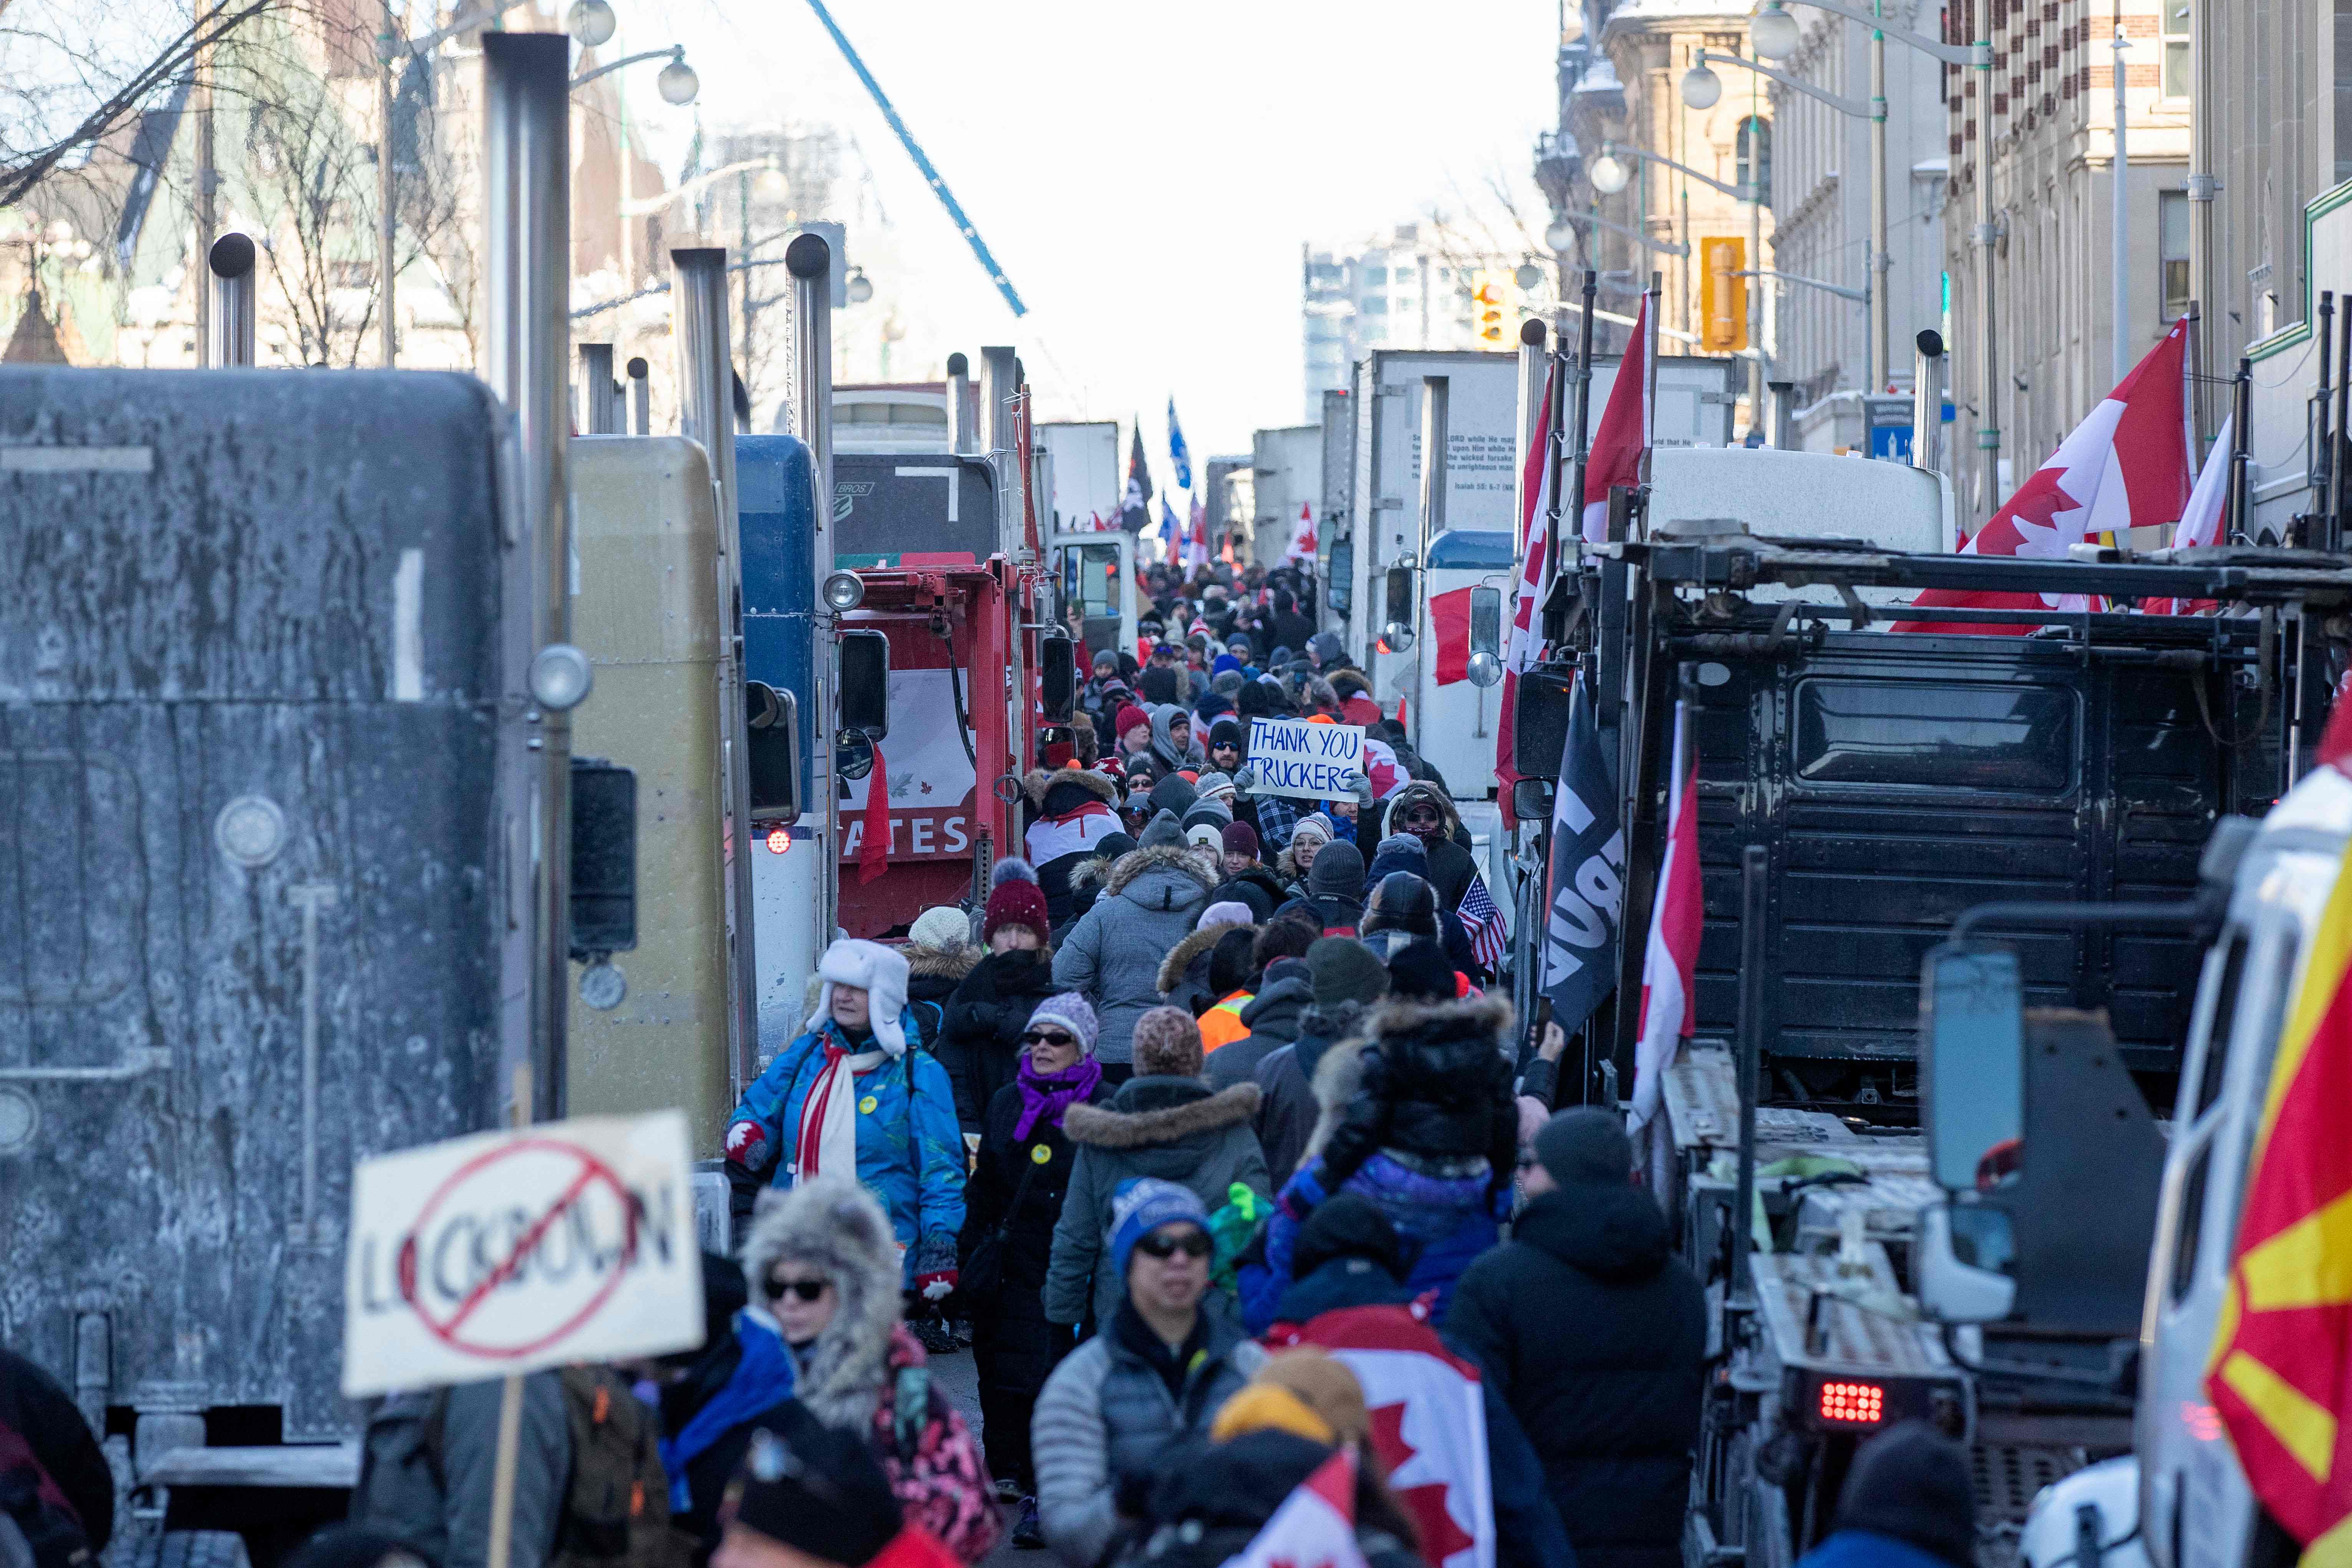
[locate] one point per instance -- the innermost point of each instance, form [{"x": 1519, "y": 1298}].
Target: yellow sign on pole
[{"x": 1723, "y": 295}]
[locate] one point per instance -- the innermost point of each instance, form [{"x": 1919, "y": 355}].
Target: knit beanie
[
  {"x": 1175, "y": 795},
  {"x": 1111, "y": 846},
  {"x": 1585, "y": 1146},
  {"x": 1012, "y": 869},
  {"x": 1226, "y": 912},
  {"x": 1337, "y": 872},
  {"x": 1018, "y": 903},
  {"x": 1167, "y": 1044},
  {"x": 1322, "y": 1383},
  {"x": 816, "y": 1489},
  {"x": 1072, "y": 1012},
  {"x": 941, "y": 927},
  {"x": 1129, "y": 718},
  {"x": 1240, "y": 838},
  {"x": 1215, "y": 785},
  {"x": 1215, "y": 813},
  {"x": 1227, "y": 733},
  {"x": 1912, "y": 1482},
  {"x": 1346, "y": 970},
  {"x": 1315, "y": 826},
  {"x": 1205, "y": 835},
  {"x": 1143, "y": 1203},
  {"x": 1419, "y": 970},
  {"x": 1162, "y": 831}
]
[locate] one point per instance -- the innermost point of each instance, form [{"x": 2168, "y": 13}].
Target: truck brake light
[
  {"x": 780, "y": 840},
  {"x": 1860, "y": 1404}
]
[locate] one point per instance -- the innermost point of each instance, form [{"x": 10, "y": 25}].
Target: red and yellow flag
[{"x": 2281, "y": 1374}]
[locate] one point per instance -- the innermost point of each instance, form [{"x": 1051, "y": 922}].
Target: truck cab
[{"x": 1094, "y": 574}]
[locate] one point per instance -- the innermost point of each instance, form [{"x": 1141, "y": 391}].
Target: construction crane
[{"x": 923, "y": 162}]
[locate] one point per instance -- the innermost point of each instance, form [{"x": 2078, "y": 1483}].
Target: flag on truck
[
  {"x": 2280, "y": 1374},
  {"x": 1179, "y": 454},
  {"x": 2200, "y": 521},
  {"x": 1585, "y": 890},
  {"x": 1621, "y": 441},
  {"x": 1524, "y": 645},
  {"x": 1196, "y": 548},
  {"x": 1670, "y": 963},
  {"x": 2124, "y": 465},
  {"x": 1135, "y": 510}
]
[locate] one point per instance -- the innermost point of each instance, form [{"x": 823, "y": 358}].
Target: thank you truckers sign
[
  {"x": 1295, "y": 758},
  {"x": 506, "y": 1252}
]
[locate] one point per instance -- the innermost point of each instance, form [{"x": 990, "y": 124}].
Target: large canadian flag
[
  {"x": 1316, "y": 1525},
  {"x": 1623, "y": 433},
  {"x": 2126, "y": 465},
  {"x": 1524, "y": 645},
  {"x": 1670, "y": 962},
  {"x": 1302, "y": 538}
]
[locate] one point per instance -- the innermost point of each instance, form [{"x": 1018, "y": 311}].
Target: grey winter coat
[
  {"x": 1273, "y": 1017},
  {"x": 443, "y": 1511},
  {"x": 1172, "y": 1128},
  {"x": 1113, "y": 953},
  {"x": 1106, "y": 1412}
]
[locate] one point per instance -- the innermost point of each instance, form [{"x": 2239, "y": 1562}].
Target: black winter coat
[
  {"x": 708, "y": 1473},
  {"x": 1612, "y": 1403},
  {"x": 986, "y": 1014},
  {"x": 1016, "y": 1346},
  {"x": 932, "y": 975}
]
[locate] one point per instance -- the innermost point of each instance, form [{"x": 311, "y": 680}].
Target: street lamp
[
  {"x": 590, "y": 22},
  {"x": 1772, "y": 33},
  {"x": 1608, "y": 174},
  {"x": 861, "y": 287},
  {"x": 1702, "y": 88},
  {"x": 677, "y": 82},
  {"x": 1559, "y": 237}
]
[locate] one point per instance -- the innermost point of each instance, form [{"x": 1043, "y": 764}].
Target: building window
[
  {"x": 2172, "y": 251},
  {"x": 2176, "y": 48},
  {"x": 1376, "y": 275},
  {"x": 1755, "y": 152},
  {"x": 1377, "y": 305}
]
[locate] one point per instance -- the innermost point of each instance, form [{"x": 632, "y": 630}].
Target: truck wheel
[{"x": 202, "y": 1548}]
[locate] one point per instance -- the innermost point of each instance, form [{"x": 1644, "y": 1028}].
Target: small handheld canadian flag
[{"x": 1316, "y": 1525}]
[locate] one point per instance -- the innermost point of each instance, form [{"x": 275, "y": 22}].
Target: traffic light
[
  {"x": 1723, "y": 295},
  {"x": 1487, "y": 302}
]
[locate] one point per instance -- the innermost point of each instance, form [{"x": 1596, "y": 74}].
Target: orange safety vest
[{"x": 1221, "y": 1024}]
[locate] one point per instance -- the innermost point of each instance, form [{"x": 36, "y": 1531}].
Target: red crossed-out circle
[{"x": 593, "y": 1173}]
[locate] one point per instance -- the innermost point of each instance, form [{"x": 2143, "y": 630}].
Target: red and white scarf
[{"x": 827, "y": 1143}]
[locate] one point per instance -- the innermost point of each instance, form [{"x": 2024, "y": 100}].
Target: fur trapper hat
[
  {"x": 877, "y": 971},
  {"x": 833, "y": 1226}
]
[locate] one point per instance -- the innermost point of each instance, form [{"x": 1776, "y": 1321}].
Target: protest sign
[
  {"x": 505, "y": 1252},
  {"x": 1306, "y": 760}
]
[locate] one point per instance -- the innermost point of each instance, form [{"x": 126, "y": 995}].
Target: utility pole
[
  {"x": 1987, "y": 238},
  {"x": 386, "y": 193},
  {"x": 1881, "y": 346},
  {"x": 2119, "y": 264},
  {"x": 208, "y": 220}
]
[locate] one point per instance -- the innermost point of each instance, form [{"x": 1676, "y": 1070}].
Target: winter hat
[
  {"x": 1912, "y": 1482},
  {"x": 1420, "y": 972},
  {"x": 1347, "y": 1225},
  {"x": 1143, "y": 1203},
  {"x": 1402, "y": 901},
  {"x": 1230, "y": 969},
  {"x": 1587, "y": 1146},
  {"x": 1240, "y": 838},
  {"x": 1173, "y": 794},
  {"x": 941, "y": 927},
  {"x": 1017, "y": 904},
  {"x": 1227, "y": 733},
  {"x": 815, "y": 1489},
  {"x": 1129, "y": 718},
  {"x": 1167, "y": 1044},
  {"x": 1215, "y": 785},
  {"x": 1269, "y": 1407},
  {"x": 1346, "y": 970},
  {"x": 1214, "y": 813},
  {"x": 1322, "y": 1383},
  {"x": 1315, "y": 826},
  {"x": 1072, "y": 1012},
  {"x": 1111, "y": 846},
  {"x": 881, "y": 972},
  {"x": 1162, "y": 831},
  {"x": 1012, "y": 869},
  {"x": 1337, "y": 872},
  {"x": 1229, "y": 912},
  {"x": 1204, "y": 836}
]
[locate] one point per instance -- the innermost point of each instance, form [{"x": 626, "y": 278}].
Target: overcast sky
[{"x": 1145, "y": 173}]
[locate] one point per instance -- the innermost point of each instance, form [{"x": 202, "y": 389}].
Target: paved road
[{"x": 960, "y": 1379}]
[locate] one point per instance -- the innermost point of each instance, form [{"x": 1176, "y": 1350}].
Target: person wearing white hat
[{"x": 852, "y": 1097}]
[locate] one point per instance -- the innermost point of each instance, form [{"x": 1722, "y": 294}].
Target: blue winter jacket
[
  {"x": 1445, "y": 1221},
  {"x": 909, "y": 1145}
]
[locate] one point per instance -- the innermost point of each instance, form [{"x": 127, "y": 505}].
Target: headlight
[{"x": 845, "y": 591}]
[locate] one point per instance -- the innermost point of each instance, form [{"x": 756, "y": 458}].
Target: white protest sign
[
  {"x": 1295, "y": 758},
  {"x": 506, "y": 1252}
]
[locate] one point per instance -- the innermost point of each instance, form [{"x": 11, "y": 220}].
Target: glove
[
  {"x": 1245, "y": 779},
  {"x": 936, "y": 1287},
  {"x": 1357, "y": 784},
  {"x": 747, "y": 1144}
]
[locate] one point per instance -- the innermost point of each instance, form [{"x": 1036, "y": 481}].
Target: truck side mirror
[
  {"x": 1531, "y": 800},
  {"x": 772, "y": 728},
  {"x": 1058, "y": 678},
  {"x": 1396, "y": 627},
  {"x": 604, "y": 859},
  {"x": 866, "y": 683},
  {"x": 1486, "y": 636},
  {"x": 1971, "y": 1046}
]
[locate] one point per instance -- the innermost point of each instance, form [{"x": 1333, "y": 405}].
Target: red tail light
[{"x": 1858, "y": 1404}]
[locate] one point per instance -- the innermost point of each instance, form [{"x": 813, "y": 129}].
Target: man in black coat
[{"x": 1595, "y": 1333}]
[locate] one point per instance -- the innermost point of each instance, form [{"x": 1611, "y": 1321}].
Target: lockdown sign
[
  {"x": 507, "y": 1252},
  {"x": 1293, "y": 757}
]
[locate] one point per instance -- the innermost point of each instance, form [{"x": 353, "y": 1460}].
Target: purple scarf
[{"x": 1049, "y": 1096}]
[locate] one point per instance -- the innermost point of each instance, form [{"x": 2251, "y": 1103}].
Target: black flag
[
  {"x": 1135, "y": 510},
  {"x": 1588, "y": 872}
]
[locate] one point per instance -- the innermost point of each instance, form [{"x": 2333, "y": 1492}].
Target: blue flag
[
  {"x": 1170, "y": 531},
  {"x": 1177, "y": 453},
  {"x": 1588, "y": 871}
]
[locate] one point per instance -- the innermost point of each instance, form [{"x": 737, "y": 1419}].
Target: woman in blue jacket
[{"x": 854, "y": 1093}]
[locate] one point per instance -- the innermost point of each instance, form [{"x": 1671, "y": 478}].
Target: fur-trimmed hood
[
  {"x": 925, "y": 962},
  {"x": 1184, "y": 859},
  {"x": 1172, "y": 968},
  {"x": 833, "y": 1224},
  {"x": 1444, "y": 1058},
  {"x": 1151, "y": 1111},
  {"x": 1040, "y": 783},
  {"x": 1091, "y": 872}
]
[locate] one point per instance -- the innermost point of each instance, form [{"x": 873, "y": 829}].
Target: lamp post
[{"x": 678, "y": 83}]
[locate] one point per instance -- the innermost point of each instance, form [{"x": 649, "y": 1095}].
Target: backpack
[
  {"x": 615, "y": 1512},
  {"x": 34, "y": 1511}
]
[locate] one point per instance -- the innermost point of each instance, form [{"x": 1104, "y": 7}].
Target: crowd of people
[{"x": 1206, "y": 1098}]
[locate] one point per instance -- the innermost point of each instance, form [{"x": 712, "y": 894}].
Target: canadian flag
[
  {"x": 2126, "y": 465},
  {"x": 1302, "y": 538},
  {"x": 2201, "y": 523},
  {"x": 1316, "y": 1525},
  {"x": 1429, "y": 1423},
  {"x": 1524, "y": 645},
  {"x": 1623, "y": 433},
  {"x": 1196, "y": 546},
  {"x": 1670, "y": 962}
]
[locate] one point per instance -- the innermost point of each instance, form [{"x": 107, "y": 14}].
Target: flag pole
[{"x": 1583, "y": 416}]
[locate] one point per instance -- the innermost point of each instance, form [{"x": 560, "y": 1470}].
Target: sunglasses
[
  {"x": 1190, "y": 1242},
  {"x": 1421, "y": 814},
  {"x": 806, "y": 1289},
  {"x": 1048, "y": 1037}
]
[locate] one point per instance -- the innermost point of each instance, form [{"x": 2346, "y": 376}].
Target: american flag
[{"x": 1486, "y": 921}]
